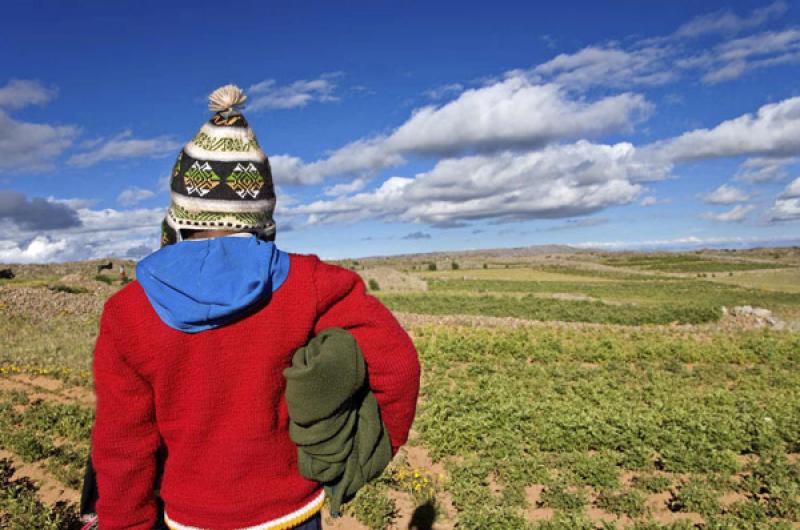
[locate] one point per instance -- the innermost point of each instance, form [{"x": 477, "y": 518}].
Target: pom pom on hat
[{"x": 226, "y": 98}]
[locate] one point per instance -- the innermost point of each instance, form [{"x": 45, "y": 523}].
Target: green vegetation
[
  {"x": 571, "y": 409},
  {"x": 103, "y": 278},
  {"x": 695, "y": 496},
  {"x": 536, "y": 308},
  {"x": 630, "y": 503},
  {"x": 372, "y": 507},
  {"x": 60, "y": 288},
  {"x": 53, "y": 433},
  {"x": 552, "y": 426},
  {"x": 652, "y": 292},
  {"x": 685, "y": 263},
  {"x": 20, "y": 508}
]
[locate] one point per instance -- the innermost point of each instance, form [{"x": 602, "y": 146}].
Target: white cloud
[
  {"x": 650, "y": 200},
  {"x": 609, "y": 66},
  {"x": 345, "y": 188},
  {"x": 685, "y": 242},
  {"x": 101, "y": 233},
  {"x": 269, "y": 95},
  {"x": 730, "y": 60},
  {"x": 557, "y": 181},
  {"x": 734, "y": 215},
  {"x": 726, "y": 194},
  {"x": 660, "y": 60},
  {"x": 74, "y": 203},
  {"x": 792, "y": 191},
  {"x": 133, "y": 195},
  {"x": 787, "y": 205},
  {"x": 760, "y": 169},
  {"x": 28, "y": 147},
  {"x": 513, "y": 113},
  {"x": 444, "y": 91},
  {"x": 785, "y": 210},
  {"x": 40, "y": 249},
  {"x": 124, "y": 145},
  {"x": 19, "y": 93},
  {"x": 773, "y": 131},
  {"x": 510, "y": 114},
  {"x": 725, "y": 21}
]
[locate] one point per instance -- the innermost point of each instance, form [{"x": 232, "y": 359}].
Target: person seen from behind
[{"x": 190, "y": 357}]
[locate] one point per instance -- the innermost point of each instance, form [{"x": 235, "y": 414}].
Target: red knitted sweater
[{"x": 216, "y": 400}]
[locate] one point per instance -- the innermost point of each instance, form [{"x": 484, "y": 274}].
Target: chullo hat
[{"x": 221, "y": 179}]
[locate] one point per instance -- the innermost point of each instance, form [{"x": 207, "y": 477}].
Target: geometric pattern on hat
[
  {"x": 200, "y": 178},
  {"x": 245, "y": 180}
]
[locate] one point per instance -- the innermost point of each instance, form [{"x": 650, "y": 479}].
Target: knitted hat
[{"x": 221, "y": 179}]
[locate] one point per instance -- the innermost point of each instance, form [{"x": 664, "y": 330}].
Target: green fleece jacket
[{"x": 334, "y": 417}]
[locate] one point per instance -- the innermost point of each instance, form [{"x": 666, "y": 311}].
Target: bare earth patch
[
  {"x": 48, "y": 389},
  {"x": 535, "y": 511}
]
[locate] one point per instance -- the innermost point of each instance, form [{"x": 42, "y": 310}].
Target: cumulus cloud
[
  {"x": 269, "y": 94},
  {"x": 100, "y": 233},
  {"x": 345, "y": 188},
  {"x": 513, "y": 113},
  {"x": 792, "y": 191},
  {"x": 133, "y": 195},
  {"x": 732, "y": 59},
  {"x": 24, "y": 146},
  {"x": 758, "y": 169},
  {"x": 773, "y": 131},
  {"x": 726, "y": 194},
  {"x": 36, "y": 213},
  {"x": 787, "y": 205},
  {"x": 660, "y": 60},
  {"x": 40, "y": 249},
  {"x": 20, "y": 93},
  {"x": 124, "y": 145},
  {"x": 557, "y": 181},
  {"x": 27, "y": 147},
  {"x": 609, "y": 66},
  {"x": 734, "y": 215}
]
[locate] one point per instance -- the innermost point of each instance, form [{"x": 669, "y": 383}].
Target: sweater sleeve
[
  {"x": 124, "y": 437},
  {"x": 393, "y": 368}
]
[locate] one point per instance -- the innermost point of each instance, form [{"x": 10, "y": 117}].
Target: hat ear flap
[{"x": 168, "y": 234}]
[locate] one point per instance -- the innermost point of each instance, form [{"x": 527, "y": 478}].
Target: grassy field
[{"x": 588, "y": 391}]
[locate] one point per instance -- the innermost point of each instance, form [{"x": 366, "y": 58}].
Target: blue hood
[{"x": 196, "y": 285}]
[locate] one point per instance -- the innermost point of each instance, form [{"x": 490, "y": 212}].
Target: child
[{"x": 189, "y": 358}]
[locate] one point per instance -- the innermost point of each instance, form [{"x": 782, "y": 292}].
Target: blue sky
[{"x": 398, "y": 127}]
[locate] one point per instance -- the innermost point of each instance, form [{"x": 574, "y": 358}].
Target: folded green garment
[{"x": 334, "y": 417}]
